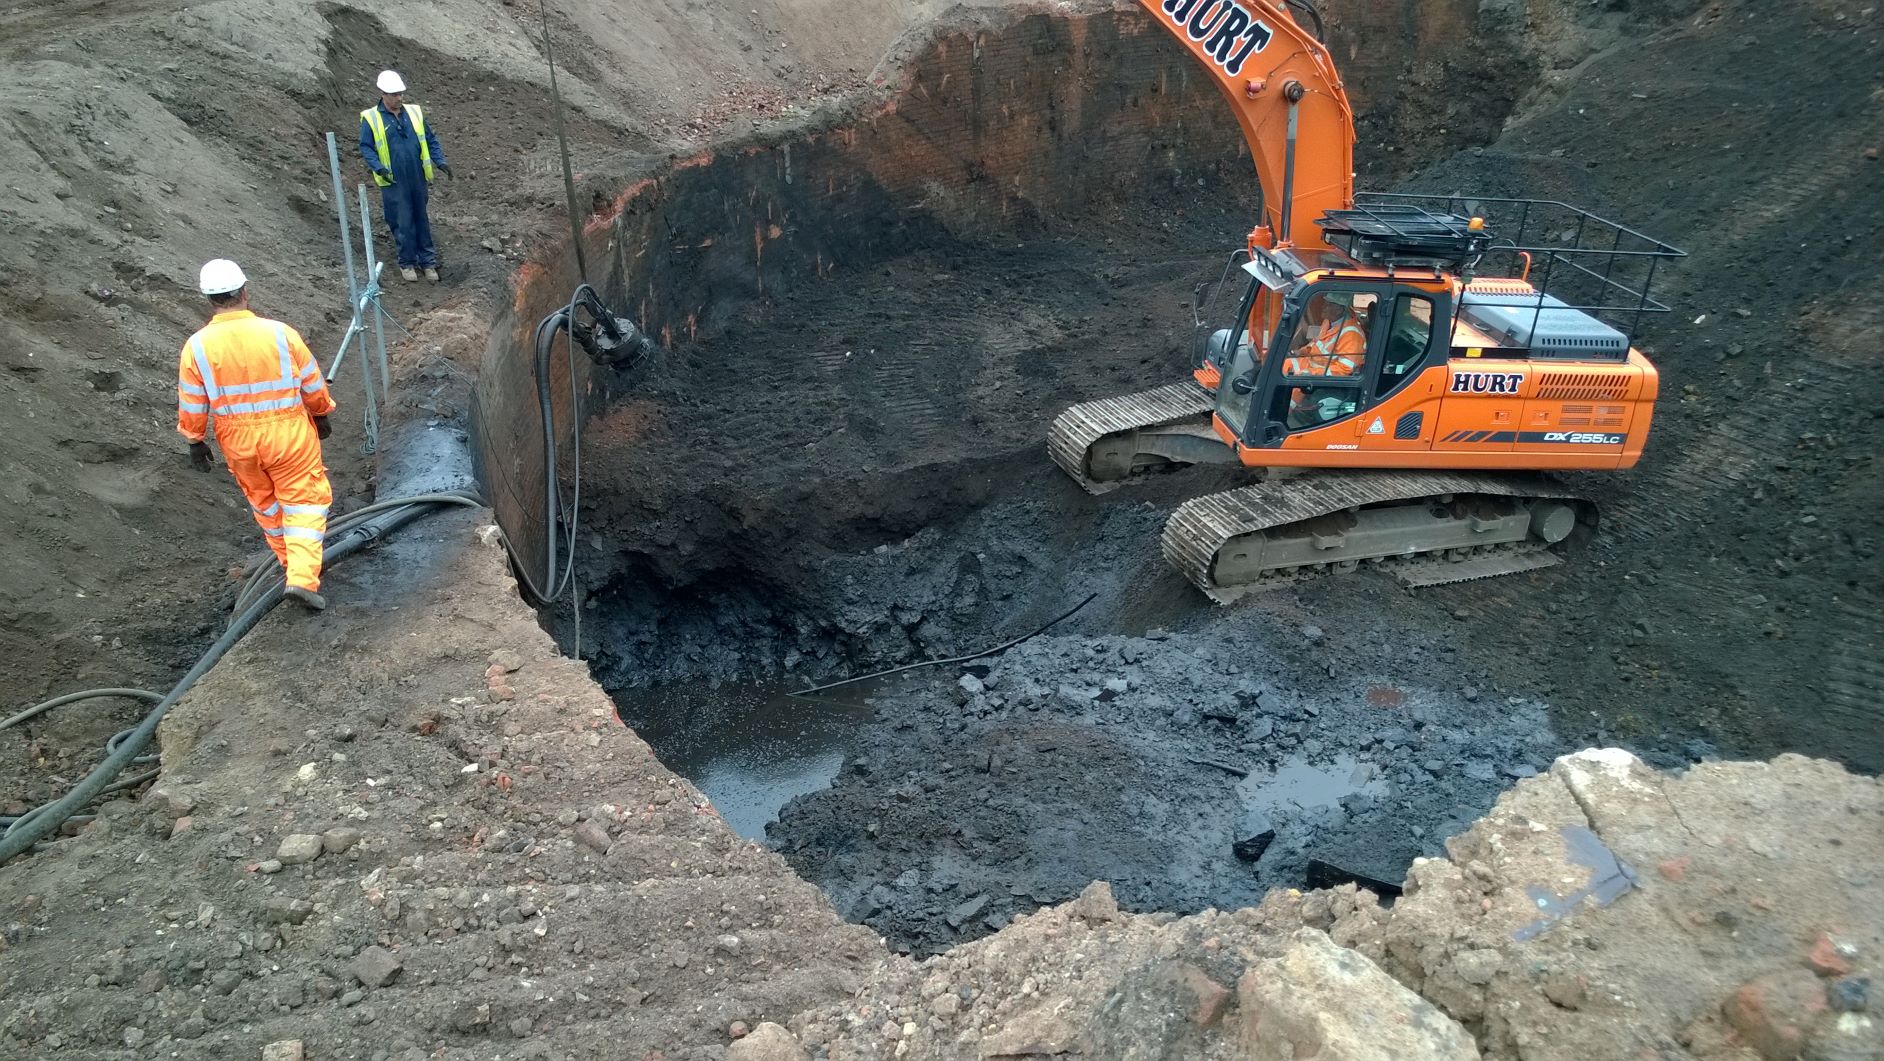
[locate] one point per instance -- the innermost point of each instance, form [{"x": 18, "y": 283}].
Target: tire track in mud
[
  {"x": 1854, "y": 681},
  {"x": 901, "y": 388}
]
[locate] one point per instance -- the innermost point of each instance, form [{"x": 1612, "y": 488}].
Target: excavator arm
[{"x": 1282, "y": 85}]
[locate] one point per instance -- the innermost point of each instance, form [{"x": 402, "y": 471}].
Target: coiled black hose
[{"x": 348, "y": 536}]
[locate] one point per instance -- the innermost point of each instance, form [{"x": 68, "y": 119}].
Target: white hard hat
[
  {"x": 391, "y": 83},
  {"x": 221, "y": 277}
]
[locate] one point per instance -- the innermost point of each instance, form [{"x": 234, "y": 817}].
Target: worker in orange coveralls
[{"x": 257, "y": 380}]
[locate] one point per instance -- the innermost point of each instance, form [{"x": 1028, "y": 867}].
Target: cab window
[{"x": 1408, "y": 339}]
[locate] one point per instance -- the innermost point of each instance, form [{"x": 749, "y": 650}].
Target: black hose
[
  {"x": 544, "y": 344},
  {"x": 27, "y": 830},
  {"x": 73, "y": 698},
  {"x": 953, "y": 659},
  {"x": 561, "y": 516},
  {"x": 1321, "y": 30},
  {"x": 266, "y": 567},
  {"x": 35, "y": 825}
]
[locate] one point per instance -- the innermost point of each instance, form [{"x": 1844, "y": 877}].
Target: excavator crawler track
[
  {"x": 1427, "y": 528},
  {"x": 1080, "y": 429}
]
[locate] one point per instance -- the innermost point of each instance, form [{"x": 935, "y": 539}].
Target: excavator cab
[
  {"x": 1346, "y": 340},
  {"x": 1345, "y": 344},
  {"x": 1423, "y": 335}
]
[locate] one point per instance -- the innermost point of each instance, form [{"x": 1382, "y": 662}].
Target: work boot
[
  {"x": 431, "y": 273},
  {"x": 309, "y": 599},
  {"x": 409, "y": 274}
]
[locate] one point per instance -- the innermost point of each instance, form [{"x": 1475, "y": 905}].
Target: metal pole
[
  {"x": 368, "y": 295},
  {"x": 365, "y": 298},
  {"x": 1642, "y": 306},
  {"x": 346, "y": 341},
  {"x": 340, "y": 208},
  {"x": 379, "y": 315},
  {"x": 1610, "y": 266},
  {"x": 1288, "y": 164}
]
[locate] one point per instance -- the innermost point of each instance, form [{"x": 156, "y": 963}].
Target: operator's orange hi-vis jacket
[
  {"x": 1337, "y": 351},
  {"x": 256, "y": 380}
]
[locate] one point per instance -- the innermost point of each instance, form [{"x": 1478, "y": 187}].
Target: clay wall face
[{"x": 1005, "y": 132}]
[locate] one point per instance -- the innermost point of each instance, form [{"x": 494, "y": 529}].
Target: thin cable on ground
[
  {"x": 40, "y": 822},
  {"x": 23, "y": 832},
  {"x": 953, "y": 659},
  {"x": 135, "y": 779}
]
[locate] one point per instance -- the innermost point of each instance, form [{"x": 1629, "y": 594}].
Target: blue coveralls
[{"x": 403, "y": 201}]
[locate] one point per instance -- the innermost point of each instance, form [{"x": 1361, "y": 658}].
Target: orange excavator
[{"x": 1402, "y": 368}]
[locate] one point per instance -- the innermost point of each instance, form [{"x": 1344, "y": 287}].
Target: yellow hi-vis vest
[{"x": 375, "y": 122}]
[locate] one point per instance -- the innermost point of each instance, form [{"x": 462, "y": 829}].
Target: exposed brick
[
  {"x": 1824, "y": 958},
  {"x": 1210, "y": 998},
  {"x": 1774, "y": 1013}
]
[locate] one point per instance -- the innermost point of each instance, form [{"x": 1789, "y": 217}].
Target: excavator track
[
  {"x": 1079, "y": 436},
  {"x": 1427, "y": 528}
]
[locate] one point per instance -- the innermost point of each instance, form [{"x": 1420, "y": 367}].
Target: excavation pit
[
  {"x": 937, "y": 806},
  {"x": 837, "y": 465}
]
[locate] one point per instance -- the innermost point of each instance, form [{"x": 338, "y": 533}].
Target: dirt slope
[
  {"x": 543, "y": 884},
  {"x": 1735, "y": 591},
  {"x": 586, "y": 906},
  {"x": 138, "y": 140}
]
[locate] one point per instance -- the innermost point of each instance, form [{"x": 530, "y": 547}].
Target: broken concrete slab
[{"x": 1324, "y": 1001}]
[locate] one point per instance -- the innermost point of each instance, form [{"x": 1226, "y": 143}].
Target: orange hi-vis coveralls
[{"x": 257, "y": 379}]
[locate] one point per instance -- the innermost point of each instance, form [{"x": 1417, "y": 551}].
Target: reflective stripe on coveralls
[{"x": 1335, "y": 352}]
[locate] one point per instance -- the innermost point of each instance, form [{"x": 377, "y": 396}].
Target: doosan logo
[
  {"x": 1487, "y": 382},
  {"x": 1228, "y": 32}
]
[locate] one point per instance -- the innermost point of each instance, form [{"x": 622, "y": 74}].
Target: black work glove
[
  {"x": 320, "y": 427},
  {"x": 446, "y": 170},
  {"x": 385, "y": 173},
  {"x": 200, "y": 457}
]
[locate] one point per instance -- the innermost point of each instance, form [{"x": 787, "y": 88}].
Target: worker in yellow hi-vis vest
[{"x": 402, "y": 151}]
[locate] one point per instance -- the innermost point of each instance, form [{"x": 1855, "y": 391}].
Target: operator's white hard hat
[
  {"x": 391, "y": 83},
  {"x": 221, "y": 277}
]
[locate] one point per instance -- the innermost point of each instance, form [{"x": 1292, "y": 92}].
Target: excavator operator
[{"x": 1331, "y": 342}]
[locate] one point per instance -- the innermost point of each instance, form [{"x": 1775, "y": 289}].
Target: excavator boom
[{"x": 1282, "y": 86}]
